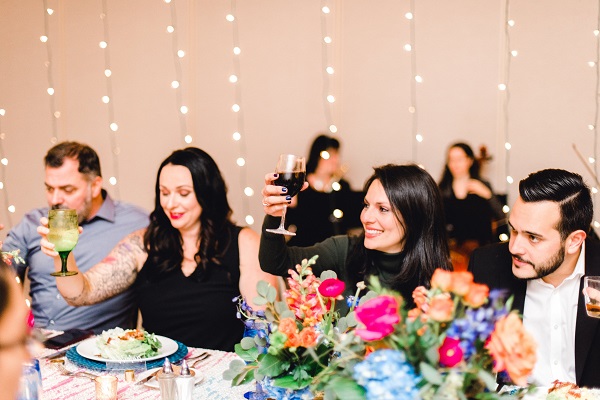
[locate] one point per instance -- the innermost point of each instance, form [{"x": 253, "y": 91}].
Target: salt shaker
[
  {"x": 166, "y": 382},
  {"x": 185, "y": 383}
]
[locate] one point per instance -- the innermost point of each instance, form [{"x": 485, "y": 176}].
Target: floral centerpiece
[{"x": 450, "y": 345}]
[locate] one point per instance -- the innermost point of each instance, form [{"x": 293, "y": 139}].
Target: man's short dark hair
[
  {"x": 568, "y": 190},
  {"x": 89, "y": 162}
]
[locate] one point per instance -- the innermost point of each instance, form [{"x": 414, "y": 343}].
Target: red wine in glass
[{"x": 291, "y": 172}]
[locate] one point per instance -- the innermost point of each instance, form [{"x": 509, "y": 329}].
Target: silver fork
[
  {"x": 192, "y": 358},
  {"x": 78, "y": 374}
]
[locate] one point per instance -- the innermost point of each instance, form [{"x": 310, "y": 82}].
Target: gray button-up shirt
[{"x": 113, "y": 222}]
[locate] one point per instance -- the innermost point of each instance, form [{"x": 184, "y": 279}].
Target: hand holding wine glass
[
  {"x": 63, "y": 234},
  {"x": 291, "y": 173}
]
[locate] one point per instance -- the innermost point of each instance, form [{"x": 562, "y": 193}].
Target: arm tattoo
[{"x": 115, "y": 274}]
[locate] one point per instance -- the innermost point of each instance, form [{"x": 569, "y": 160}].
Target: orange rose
[
  {"x": 308, "y": 337},
  {"x": 461, "y": 282},
  {"x": 477, "y": 295},
  {"x": 512, "y": 348},
  {"x": 419, "y": 295},
  {"x": 441, "y": 308},
  {"x": 293, "y": 340},
  {"x": 288, "y": 326},
  {"x": 441, "y": 279}
]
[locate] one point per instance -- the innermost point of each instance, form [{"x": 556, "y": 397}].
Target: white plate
[
  {"x": 153, "y": 383},
  {"x": 89, "y": 350}
]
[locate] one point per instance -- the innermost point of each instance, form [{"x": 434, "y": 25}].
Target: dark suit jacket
[{"x": 492, "y": 265}]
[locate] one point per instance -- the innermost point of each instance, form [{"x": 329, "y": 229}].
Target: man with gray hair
[{"x": 73, "y": 180}]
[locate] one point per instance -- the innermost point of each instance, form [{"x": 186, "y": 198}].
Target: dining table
[{"x": 209, "y": 376}]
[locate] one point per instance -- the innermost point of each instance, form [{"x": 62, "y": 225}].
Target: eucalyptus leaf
[
  {"x": 235, "y": 367},
  {"x": 260, "y": 301},
  {"x": 281, "y": 306},
  {"x": 289, "y": 382},
  {"x": 271, "y": 294},
  {"x": 329, "y": 274},
  {"x": 249, "y": 355},
  {"x": 351, "y": 319},
  {"x": 287, "y": 314},
  {"x": 346, "y": 388},
  {"x": 342, "y": 324},
  {"x": 431, "y": 374},
  {"x": 488, "y": 379},
  {"x": 247, "y": 343},
  {"x": 244, "y": 377},
  {"x": 368, "y": 296},
  {"x": 262, "y": 287}
]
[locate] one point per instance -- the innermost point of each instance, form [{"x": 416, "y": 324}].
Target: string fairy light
[
  {"x": 594, "y": 128},
  {"x": 107, "y": 99},
  {"x": 54, "y": 113},
  {"x": 178, "y": 55},
  {"x": 4, "y": 162},
  {"x": 328, "y": 67},
  {"x": 415, "y": 79},
  {"x": 504, "y": 92},
  {"x": 237, "y": 109}
]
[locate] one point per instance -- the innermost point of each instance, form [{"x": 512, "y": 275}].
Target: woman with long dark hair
[
  {"x": 186, "y": 266},
  {"x": 470, "y": 205},
  {"x": 404, "y": 237}
]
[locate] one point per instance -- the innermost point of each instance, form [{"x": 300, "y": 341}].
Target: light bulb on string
[
  {"x": 325, "y": 10},
  {"x": 337, "y": 213},
  {"x": 327, "y": 39},
  {"x": 183, "y": 109},
  {"x": 249, "y": 219},
  {"x": 105, "y": 99},
  {"x": 412, "y": 109},
  {"x": 509, "y": 179},
  {"x": 505, "y": 209},
  {"x": 188, "y": 139},
  {"x": 103, "y": 44},
  {"x": 248, "y": 191},
  {"x": 503, "y": 237},
  {"x": 511, "y": 23},
  {"x": 330, "y": 70},
  {"x": 333, "y": 128},
  {"x": 596, "y": 32},
  {"x": 331, "y": 98},
  {"x": 236, "y": 136},
  {"x": 408, "y": 15},
  {"x": 170, "y": 29},
  {"x": 418, "y": 78},
  {"x": 591, "y": 127},
  {"x": 336, "y": 186},
  {"x": 114, "y": 127},
  {"x": 180, "y": 53},
  {"x": 591, "y": 63},
  {"x": 233, "y": 78},
  {"x": 594, "y": 190},
  {"x": 44, "y": 38},
  {"x": 12, "y": 209},
  {"x": 237, "y": 51},
  {"x": 507, "y": 146},
  {"x": 230, "y": 18},
  {"x": 235, "y": 108},
  {"x": 419, "y": 138},
  {"x": 2, "y": 112},
  {"x": 240, "y": 161},
  {"x": 4, "y": 161},
  {"x": 112, "y": 180},
  {"x": 502, "y": 86},
  {"x": 514, "y": 53},
  {"x": 596, "y": 224},
  {"x": 107, "y": 73},
  {"x": 1, "y": 185},
  {"x": 175, "y": 84},
  {"x": 50, "y": 11},
  {"x": 50, "y": 91},
  {"x": 407, "y": 47},
  {"x": 591, "y": 160}
]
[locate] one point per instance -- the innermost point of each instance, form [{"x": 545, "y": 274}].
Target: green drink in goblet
[{"x": 64, "y": 232}]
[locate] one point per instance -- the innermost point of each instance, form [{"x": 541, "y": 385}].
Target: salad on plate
[{"x": 127, "y": 344}]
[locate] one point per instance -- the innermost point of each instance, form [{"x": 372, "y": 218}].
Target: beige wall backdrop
[{"x": 459, "y": 48}]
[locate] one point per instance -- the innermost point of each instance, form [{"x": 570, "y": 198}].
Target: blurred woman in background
[
  {"x": 328, "y": 206},
  {"x": 470, "y": 206}
]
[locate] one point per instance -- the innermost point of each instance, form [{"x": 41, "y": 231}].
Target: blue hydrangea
[
  {"x": 478, "y": 324},
  {"x": 386, "y": 374},
  {"x": 274, "y": 392}
]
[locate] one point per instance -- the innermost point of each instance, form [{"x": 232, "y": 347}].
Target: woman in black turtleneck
[{"x": 404, "y": 237}]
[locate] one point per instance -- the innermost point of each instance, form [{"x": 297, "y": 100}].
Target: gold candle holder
[{"x": 106, "y": 387}]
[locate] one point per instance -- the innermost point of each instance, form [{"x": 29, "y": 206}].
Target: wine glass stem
[
  {"x": 63, "y": 260},
  {"x": 282, "y": 223}
]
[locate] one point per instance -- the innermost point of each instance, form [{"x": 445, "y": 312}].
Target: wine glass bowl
[
  {"x": 291, "y": 173},
  {"x": 63, "y": 233}
]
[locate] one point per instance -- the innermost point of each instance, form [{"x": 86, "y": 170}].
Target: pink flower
[
  {"x": 332, "y": 287},
  {"x": 379, "y": 316},
  {"x": 442, "y": 280},
  {"x": 450, "y": 352}
]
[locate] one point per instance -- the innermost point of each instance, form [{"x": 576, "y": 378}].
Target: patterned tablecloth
[{"x": 56, "y": 386}]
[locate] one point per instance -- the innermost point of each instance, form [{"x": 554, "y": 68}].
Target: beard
[
  {"x": 548, "y": 267},
  {"x": 86, "y": 208}
]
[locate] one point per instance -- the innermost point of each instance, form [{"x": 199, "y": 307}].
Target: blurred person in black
[
  {"x": 470, "y": 205},
  {"x": 329, "y": 206}
]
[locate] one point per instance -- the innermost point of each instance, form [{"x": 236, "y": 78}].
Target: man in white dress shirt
[{"x": 543, "y": 267}]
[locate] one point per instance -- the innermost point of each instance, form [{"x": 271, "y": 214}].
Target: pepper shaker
[
  {"x": 185, "y": 383},
  {"x": 166, "y": 382}
]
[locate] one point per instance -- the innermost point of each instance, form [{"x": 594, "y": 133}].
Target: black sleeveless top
[{"x": 198, "y": 313}]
